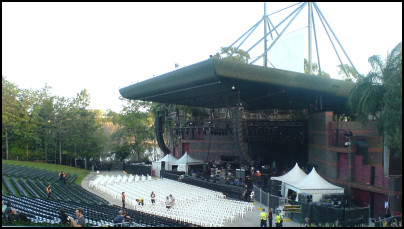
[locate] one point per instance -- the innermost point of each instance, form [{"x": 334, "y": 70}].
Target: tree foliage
[
  {"x": 315, "y": 69},
  {"x": 233, "y": 54},
  {"x": 39, "y": 126},
  {"x": 380, "y": 95},
  {"x": 134, "y": 134}
]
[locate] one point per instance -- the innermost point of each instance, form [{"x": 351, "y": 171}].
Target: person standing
[
  {"x": 263, "y": 218},
  {"x": 270, "y": 217},
  {"x": 123, "y": 200},
  {"x": 278, "y": 220},
  {"x": 48, "y": 191},
  {"x": 172, "y": 200},
  {"x": 168, "y": 203},
  {"x": 307, "y": 222},
  {"x": 80, "y": 221},
  {"x": 153, "y": 198},
  {"x": 347, "y": 137}
]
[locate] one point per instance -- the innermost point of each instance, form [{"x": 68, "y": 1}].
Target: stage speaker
[
  {"x": 276, "y": 187},
  {"x": 159, "y": 134},
  {"x": 240, "y": 173},
  {"x": 276, "y": 193},
  {"x": 305, "y": 198},
  {"x": 396, "y": 183},
  {"x": 336, "y": 197}
]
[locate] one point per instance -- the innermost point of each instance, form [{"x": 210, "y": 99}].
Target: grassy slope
[{"x": 81, "y": 173}]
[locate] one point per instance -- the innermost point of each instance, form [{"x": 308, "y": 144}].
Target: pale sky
[{"x": 105, "y": 46}]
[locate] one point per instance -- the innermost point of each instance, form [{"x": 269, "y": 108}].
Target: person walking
[
  {"x": 123, "y": 200},
  {"x": 263, "y": 218},
  {"x": 270, "y": 217},
  {"x": 48, "y": 191},
  {"x": 153, "y": 198}
]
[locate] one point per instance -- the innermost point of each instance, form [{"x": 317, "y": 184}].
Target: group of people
[
  {"x": 10, "y": 214},
  {"x": 169, "y": 200},
  {"x": 122, "y": 217},
  {"x": 80, "y": 221},
  {"x": 264, "y": 217},
  {"x": 62, "y": 178}
]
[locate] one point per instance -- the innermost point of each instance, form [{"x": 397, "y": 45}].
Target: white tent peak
[
  {"x": 315, "y": 181},
  {"x": 168, "y": 158},
  {"x": 187, "y": 159},
  {"x": 294, "y": 175}
]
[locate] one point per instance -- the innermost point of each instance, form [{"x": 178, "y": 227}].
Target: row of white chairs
[{"x": 193, "y": 204}]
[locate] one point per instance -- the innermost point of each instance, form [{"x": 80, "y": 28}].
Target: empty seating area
[
  {"x": 47, "y": 211},
  {"x": 22, "y": 171},
  {"x": 194, "y": 205},
  {"x": 30, "y": 182}
]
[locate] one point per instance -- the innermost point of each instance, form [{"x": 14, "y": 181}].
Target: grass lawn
[{"x": 81, "y": 173}]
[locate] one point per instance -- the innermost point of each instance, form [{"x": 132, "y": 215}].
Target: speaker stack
[
  {"x": 275, "y": 187},
  {"x": 240, "y": 173},
  {"x": 305, "y": 198},
  {"x": 159, "y": 134}
]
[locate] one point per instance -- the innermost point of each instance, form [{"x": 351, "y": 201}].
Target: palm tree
[
  {"x": 350, "y": 72},
  {"x": 380, "y": 94}
]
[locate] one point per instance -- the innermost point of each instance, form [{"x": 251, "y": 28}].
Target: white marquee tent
[
  {"x": 169, "y": 161},
  {"x": 185, "y": 161},
  {"x": 315, "y": 185},
  {"x": 294, "y": 175}
]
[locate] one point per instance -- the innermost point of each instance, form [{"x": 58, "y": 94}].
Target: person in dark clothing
[
  {"x": 14, "y": 216},
  {"x": 270, "y": 217},
  {"x": 123, "y": 200},
  {"x": 119, "y": 218},
  {"x": 63, "y": 216},
  {"x": 347, "y": 137},
  {"x": 247, "y": 193},
  {"x": 8, "y": 209}
]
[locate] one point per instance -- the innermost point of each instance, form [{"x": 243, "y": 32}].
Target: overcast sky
[{"x": 102, "y": 47}]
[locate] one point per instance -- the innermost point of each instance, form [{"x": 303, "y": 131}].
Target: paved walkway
[{"x": 251, "y": 219}]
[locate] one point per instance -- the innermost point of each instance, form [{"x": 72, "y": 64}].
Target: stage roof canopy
[{"x": 215, "y": 83}]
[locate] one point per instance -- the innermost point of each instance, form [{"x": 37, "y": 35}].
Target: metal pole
[
  {"x": 309, "y": 31},
  {"x": 315, "y": 39},
  {"x": 315, "y": 5},
  {"x": 299, "y": 9},
  {"x": 280, "y": 23},
  {"x": 329, "y": 37},
  {"x": 265, "y": 36}
]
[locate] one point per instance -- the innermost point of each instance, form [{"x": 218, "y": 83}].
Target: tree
[
  {"x": 380, "y": 94},
  {"x": 314, "y": 69},
  {"x": 349, "y": 73},
  {"x": 233, "y": 54},
  {"x": 135, "y": 133},
  {"x": 10, "y": 110}
]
